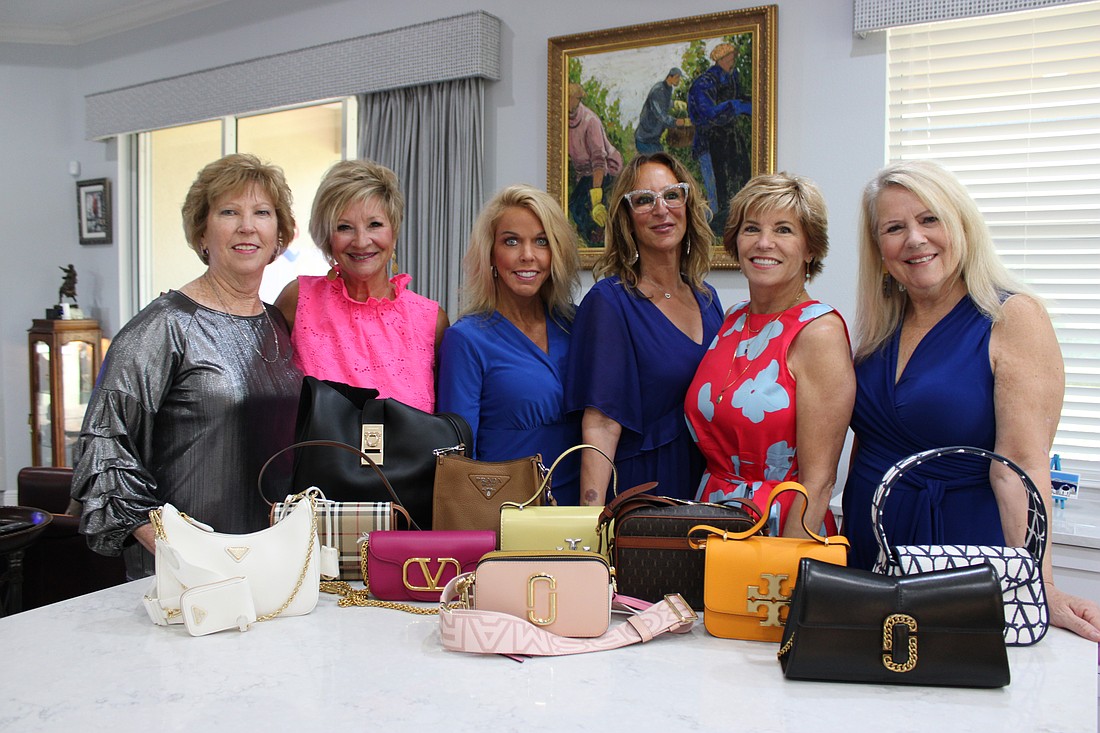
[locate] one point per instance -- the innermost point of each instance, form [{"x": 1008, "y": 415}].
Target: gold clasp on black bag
[{"x": 888, "y": 625}]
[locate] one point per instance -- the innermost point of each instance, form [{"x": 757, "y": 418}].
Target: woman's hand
[
  {"x": 147, "y": 537},
  {"x": 1079, "y": 615}
]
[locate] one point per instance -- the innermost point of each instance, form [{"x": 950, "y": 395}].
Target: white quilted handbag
[{"x": 1019, "y": 568}]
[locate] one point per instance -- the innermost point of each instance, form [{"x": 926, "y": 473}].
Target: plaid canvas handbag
[
  {"x": 343, "y": 525},
  {"x": 1018, "y": 568}
]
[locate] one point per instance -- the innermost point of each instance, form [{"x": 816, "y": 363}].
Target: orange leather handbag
[{"x": 749, "y": 578}]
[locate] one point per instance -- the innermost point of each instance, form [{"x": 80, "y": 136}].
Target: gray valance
[
  {"x": 464, "y": 46},
  {"x": 874, "y": 15}
]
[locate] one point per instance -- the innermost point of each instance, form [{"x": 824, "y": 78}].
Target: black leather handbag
[
  {"x": 647, "y": 537},
  {"x": 401, "y": 439},
  {"x": 944, "y": 628}
]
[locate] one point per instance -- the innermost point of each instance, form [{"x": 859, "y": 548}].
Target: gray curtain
[{"x": 431, "y": 136}]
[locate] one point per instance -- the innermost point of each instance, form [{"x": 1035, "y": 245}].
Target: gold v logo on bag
[
  {"x": 198, "y": 614},
  {"x": 433, "y": 584},
  {"x": 773, "y": 601},
  {"x": 532, "y": 583},
  {"x": 373, "y": 443},
  {"x": 238, "y": 553},
  {"x": 488, "y": 484}
]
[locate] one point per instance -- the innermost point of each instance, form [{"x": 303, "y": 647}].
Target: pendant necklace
[
  {"x": 240, "y": 332},
  {"x": 746, "y": 326},
  {"x": 668, "y": 295}
]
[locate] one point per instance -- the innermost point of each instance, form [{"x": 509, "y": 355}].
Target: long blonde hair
[
  {"x": 620, "y": 255},
  {"x": 880, "y": 309},
  {"x": 479, "y": 292}
]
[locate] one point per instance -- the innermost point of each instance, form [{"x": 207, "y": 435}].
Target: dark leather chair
[{"x": 59, "y": 564}]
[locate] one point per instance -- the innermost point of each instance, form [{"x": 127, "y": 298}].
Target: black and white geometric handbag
[{"x": 1019, "y": 568}]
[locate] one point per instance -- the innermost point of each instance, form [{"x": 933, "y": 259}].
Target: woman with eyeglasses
[
  {"x": 772, "y": 397},
  {"x": 641, "y": 330}
]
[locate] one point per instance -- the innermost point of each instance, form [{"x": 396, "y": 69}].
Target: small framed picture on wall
[{"x": 93, "y": 208}]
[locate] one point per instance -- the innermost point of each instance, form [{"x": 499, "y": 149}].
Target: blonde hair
[
  {"x": 353, "y": 182},
  {"x": 782, "y": 192},
  {"x": 230, "y": 175},
  {"x": 479, "y": 291},
  {"x": 620, "y": 256},
  {"x": 879, "y": 309}
]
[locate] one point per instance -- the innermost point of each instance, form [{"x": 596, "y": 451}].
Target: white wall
[{"x": 831, "y": 102}]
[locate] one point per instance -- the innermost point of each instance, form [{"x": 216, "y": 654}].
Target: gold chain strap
[
  {"x": 158, "y": 525},
  {"x": 786, "y": 648},
  {"x": 351, "y": 597},
  {"x": 309, "y": 554}
]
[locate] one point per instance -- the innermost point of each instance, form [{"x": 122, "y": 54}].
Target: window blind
[{"x": 1011, "y": 104}]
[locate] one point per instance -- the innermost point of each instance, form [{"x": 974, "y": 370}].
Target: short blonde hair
[
  {"x": 479, "y": 292},
  {"x": 782, "y": 192},
  {"x": 879, "y": 310},
  {"x": 352, "y": 182},
  {"x": 620, "y": 255},
  {"x": 229, "y": 175}
]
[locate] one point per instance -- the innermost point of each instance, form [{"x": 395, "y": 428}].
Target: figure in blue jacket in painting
[
  {"x": 714, "y": 102},
  {"x": 655, "y": 117}
]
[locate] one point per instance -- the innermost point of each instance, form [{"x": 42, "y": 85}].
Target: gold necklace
[
  {"x": 240, "y": 331},
  {"x": 748, "y": 313}
]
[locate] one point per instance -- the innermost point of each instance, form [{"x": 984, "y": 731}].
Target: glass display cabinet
[{"x": 64, "y": 358}]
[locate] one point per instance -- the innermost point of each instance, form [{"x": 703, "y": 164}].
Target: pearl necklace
[
  {"x": 746, "y": 326},
  {"x": 240, "y": 332}
]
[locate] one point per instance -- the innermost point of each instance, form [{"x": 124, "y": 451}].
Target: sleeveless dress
[
  {"x": 741, "y": 407},
  {"x": 944, "y": 397},
  {"x": 387, "y": 345}
]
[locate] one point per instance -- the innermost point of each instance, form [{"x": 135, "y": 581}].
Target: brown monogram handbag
[
  {"x": 648, "y": 540},
  {"x": 468, "y": 493}
]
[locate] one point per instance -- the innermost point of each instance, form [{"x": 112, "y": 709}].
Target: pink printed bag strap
[{"x": 490, "y": 632}]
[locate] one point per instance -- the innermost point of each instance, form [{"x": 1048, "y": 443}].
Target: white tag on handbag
[{"x": 330, "y": 562}]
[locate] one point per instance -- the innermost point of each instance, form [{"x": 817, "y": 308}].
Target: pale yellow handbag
[
  {"x": 749, "y": 578},
  {"x": 529, "y": 528}
]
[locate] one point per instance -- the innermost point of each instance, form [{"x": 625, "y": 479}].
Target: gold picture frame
[{"x": 611, "y": 71}]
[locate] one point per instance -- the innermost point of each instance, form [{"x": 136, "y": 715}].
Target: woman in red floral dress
[{"x": 773, "y": 395}]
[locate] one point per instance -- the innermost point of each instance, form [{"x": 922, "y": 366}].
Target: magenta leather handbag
[{"x": 416, "y": 566}]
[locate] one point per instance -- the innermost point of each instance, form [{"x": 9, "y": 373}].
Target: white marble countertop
[
  {"x": 97, "y": 663},
  {"x": 1079, "y": 522}
]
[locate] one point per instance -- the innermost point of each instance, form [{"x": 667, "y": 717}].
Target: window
[
  {"x": 303, "y": 141},
  {"x": 1011, "y": 104}
]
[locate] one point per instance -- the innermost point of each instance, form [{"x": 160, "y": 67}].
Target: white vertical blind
[{"x": 1011, "y": 104}]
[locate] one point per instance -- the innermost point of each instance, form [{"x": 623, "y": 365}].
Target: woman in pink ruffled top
[{"x": 358, "y": 325}]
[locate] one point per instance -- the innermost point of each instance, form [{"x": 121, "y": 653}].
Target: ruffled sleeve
[
  {"x": 603, "y": 367},
  {"x": 111, "y": 476}
]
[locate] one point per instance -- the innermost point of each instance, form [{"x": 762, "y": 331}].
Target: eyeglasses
[{"x": 643, "y": 200}]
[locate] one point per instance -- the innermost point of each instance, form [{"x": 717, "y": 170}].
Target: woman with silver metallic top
[{"x": 199, "y": 388}]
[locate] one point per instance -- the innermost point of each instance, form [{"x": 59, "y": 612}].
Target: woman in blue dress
[
  {"x": 952, "y": 350},
  {"x": 641, "y": 331},
  {"x": 501, "y": 363}
]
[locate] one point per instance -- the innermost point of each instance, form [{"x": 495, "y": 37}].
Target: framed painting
[
  {"x": 93, "y": 210},
  {"x": 701, "y": 89}
]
